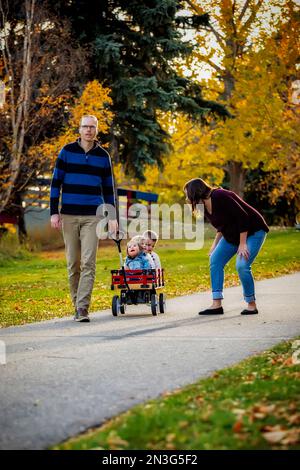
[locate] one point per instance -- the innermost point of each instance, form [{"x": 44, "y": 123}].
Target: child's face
[
  {"x": 133, "y": 249},
  {"x": 148, "y": 245}
]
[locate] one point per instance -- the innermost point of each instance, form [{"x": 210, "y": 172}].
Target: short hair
[
  {"x": 138, "y": 239},
  {"x": 91, "y": 116},
  {"x": 150, "y": 234}
]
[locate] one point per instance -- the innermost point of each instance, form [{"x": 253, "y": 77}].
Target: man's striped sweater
[{"x": 85, "y": 179}]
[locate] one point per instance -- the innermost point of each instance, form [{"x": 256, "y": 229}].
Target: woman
[{"x": 240, "y": 229}]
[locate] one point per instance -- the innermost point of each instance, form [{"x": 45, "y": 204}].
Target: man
[{"x": 83, "y": 171}]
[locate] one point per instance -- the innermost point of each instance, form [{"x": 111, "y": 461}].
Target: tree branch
[
  {"x": 251, "y": 18},
  {"x": 244, "y": 9},
  {"x": 218, "y": 36},
  {"x": 215, "y": 66}
]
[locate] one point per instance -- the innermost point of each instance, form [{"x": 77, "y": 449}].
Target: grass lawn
[
  {"x": 253, "y": 405},
  {"x": 34, "y": 286}
]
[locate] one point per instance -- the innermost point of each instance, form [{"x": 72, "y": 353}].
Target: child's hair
[
  {"x": 134, "y": 240},
  {"x": 151, "y": 235},
  {"x": 138, "y": 239}
]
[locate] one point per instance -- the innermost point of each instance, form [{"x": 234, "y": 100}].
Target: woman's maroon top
[{"x": 232, "y": 216}]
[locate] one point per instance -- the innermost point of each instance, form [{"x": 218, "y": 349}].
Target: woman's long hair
[{"x": 197, "y": 190}]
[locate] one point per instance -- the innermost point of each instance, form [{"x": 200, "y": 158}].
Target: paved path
[{"x": 62, "y": 377}]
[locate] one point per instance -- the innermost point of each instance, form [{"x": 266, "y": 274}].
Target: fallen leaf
[
  {"x": 183, "y": 424},
  {"x": 294, "y": 419},
  {"x": 199, "y": 399},
  {"x": 115, "y": 441},
  {"x": 259, "y": 415},
  {"x": 238, "y": 411},
  {"x": 269, "y": 428},
  {"x": 289, "y": 362},
  {"x": 170, "y": 446},
  {"x": 237, "y": 427},
  {"x": 170, "y": 437},
  {"x": 274, "y": 437},
  {"x": 292, "y": 437}
]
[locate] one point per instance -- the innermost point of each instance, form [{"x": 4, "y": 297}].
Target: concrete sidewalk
[{"x": 62, "y": 377}]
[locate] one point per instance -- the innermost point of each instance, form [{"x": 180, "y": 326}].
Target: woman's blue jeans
[{"x": 223, "y": 252}]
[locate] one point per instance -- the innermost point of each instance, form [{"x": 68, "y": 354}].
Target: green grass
[
  {"x": 34, "y": 286},
  {"x": 253, "y": 405}
]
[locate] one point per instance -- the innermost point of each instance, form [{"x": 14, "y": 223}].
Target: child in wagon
[
  {"x": 136, "y": 258},
  {"x": 150, "y": 240}
]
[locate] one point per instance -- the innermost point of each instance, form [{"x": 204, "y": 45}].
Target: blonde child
[
  {"x": 136, "y": 258},
  {"x": 150, "y": 240},
  {"x": 141, "y": 240}
]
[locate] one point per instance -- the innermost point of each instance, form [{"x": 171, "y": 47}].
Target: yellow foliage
[
  {"x": 255, "y": 82},
  {"x": 95, "y": 100},
  {"x": 10, "y": 227},
  {"x": 191, "y": 157},
  {"x": 264, "y": 128}
]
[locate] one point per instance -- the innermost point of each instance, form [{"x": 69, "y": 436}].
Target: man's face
[{"x": 88, "y": 129}]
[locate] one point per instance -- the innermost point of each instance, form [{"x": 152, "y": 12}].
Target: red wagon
[{"x": 138, "y": 286}]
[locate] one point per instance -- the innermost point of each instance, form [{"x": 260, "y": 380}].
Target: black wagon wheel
[
  {"x": 162, "y": 303},
  {"x": 122, "y": 308},
  {"x": 115, "y": 307},
  {"x": 154, "y": 304}
]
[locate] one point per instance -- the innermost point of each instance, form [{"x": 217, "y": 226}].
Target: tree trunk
[
  {"x": 19, "y": 104},
  {"x": 237, "y": 177},
  {"x": 19, "y": 212},
  {"x": 22, "y": 232}
]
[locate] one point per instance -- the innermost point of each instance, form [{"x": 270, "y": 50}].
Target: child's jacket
[{"x": 139, "y": 262}]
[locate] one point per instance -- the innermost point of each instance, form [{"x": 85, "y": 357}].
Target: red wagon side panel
[{"x": 143, "y": 277}]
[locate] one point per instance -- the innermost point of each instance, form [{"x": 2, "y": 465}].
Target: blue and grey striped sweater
[{"x": 85, "y": 179}]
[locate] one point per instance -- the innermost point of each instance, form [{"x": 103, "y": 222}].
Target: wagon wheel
[
  {"x": 154, "y": 304},
  {"x": 122, "y": 308},
  {"x": 115, "y": 305},
  {"x": 162, "y": 303}
]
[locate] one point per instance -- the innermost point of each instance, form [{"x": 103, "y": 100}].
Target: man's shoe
[
  {"x": 249, "y": 312},
  {"x": 82, "y": 315},
  {"x": 212, "y": 311}
]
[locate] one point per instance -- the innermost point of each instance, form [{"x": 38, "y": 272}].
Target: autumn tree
[
  {"x": 244, "y": 73},
  {"x": 40, "y": 66},
  {"x": 133, "y": 46},
  {"x": 95, "y": 99},
  {"x": 263, "y": 133}
]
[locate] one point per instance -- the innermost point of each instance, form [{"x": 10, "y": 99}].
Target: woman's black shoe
[
  {"x": 212, "y": 311},
  {"x": 249, "y": 312}
]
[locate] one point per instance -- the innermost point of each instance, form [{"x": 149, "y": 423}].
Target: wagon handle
[
  {"x": 119, "y": 236},
  {"x": 118, "y": 239}
]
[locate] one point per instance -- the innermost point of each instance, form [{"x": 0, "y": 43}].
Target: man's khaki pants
[{"x": 81, "y": 243}]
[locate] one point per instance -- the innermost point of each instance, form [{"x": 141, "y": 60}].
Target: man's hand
[
  {"x": 113, "y": 226},
  {"x": 56, "y": 221}
]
